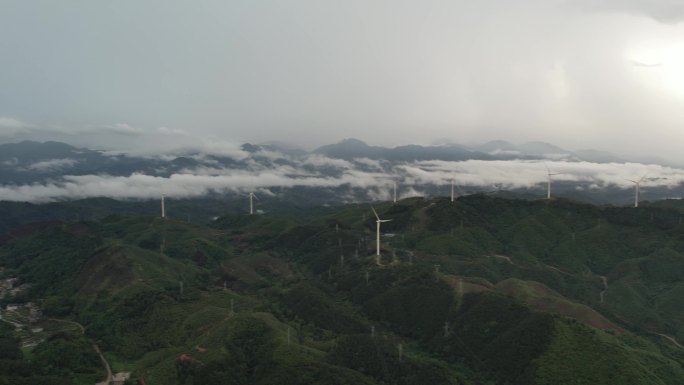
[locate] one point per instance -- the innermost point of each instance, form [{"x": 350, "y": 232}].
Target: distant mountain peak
[
  {"x": 352, "y": 142},
  {"x": 496, "y": 145},
  {"x": 31, "y": 150},
  {"x": 540, "y": 147},
  {"x": 350, "y": 148},
  {"x": 499, "y": 142}
]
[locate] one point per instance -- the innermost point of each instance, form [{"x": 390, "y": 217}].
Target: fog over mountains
[{"x": 347, "y": 171}]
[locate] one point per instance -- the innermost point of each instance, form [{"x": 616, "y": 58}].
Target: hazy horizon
[{"x": 607, "y": 75}]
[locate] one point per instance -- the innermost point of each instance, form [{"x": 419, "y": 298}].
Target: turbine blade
[{"x": 375, "y": 212}]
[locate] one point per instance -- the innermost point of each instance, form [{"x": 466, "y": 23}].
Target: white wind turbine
[
  {"x": 377, "y": 233},
  {"x": 395, "y": 191},
  {"x": 163, "y": 209},
  {"x": 251, "y": 202},
  {"x": 453, "y": 186},
  {"x": 548, "y": 181},
  {"x": 637, "y": 188}
]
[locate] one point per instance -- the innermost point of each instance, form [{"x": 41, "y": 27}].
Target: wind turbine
[
  {"x": 637, "y": 188},
  {"x": 453, "y": 186},
  {"x": 548, "y": 182},
  {"x": 162, "y": 206},
  {"x": 395, "y": 192},
  {"x": 377, "y": 234},
  {"x": 251, "y": 202}
]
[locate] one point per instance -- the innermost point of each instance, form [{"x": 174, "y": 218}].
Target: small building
[{"x": 120, "y": 378}]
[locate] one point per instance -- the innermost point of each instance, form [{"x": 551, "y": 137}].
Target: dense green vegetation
[
  {"x": 62, "y": 359},
  {"x": 483, "y": 290}
]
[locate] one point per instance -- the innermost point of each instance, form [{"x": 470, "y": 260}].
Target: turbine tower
[
  {"x": 251, "y": 202},
  {"x": 548, "y": 182},
  {"x": 453, "y": 186},
  {"x": 395, "y": 192},
  {"x": 637, "y": 188},
  {"x": 162, "y": 207},
  {"x": 377, "y": 233}
]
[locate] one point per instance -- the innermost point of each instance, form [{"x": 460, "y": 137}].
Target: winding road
[
  {"x": 505, "y": 258},
  {"x": 106, "y": 364},
  {"x": 669, "y": 338}
]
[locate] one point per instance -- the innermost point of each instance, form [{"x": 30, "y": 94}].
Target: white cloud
[
  {"x": 323, "y": 161},
  {"x": 370, "y": 163},
  {"x": 124, "y": 129},
  {"x": 272, "y": 155},
  {"x": 200, "y": 182},
  {"x": 52, "y": 165},
  {"x": 222, "y": 148},
  {"x": 525, "y": 174},
  {"x": 412, "y": 178},
  {"x": 12, "y": 126},
  {"x": 10, "y": 162},
  {"x": 6, "y": 122},
  {"x": 410, "y": 192}
]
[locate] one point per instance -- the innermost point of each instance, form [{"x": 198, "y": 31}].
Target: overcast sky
[{"x": 605, "y": 74}]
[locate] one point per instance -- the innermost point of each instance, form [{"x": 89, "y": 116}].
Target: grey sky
[{"x": 120, "y": 73}]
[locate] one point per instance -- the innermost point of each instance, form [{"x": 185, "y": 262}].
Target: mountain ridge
[{"x": 350, "y": 170}]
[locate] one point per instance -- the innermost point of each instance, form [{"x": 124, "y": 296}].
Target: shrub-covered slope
[{"x": 483, "y": 290}]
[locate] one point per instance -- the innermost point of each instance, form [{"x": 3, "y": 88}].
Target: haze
[{"x": 145, "y": 75}]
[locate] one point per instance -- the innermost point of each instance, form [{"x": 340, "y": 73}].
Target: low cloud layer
[
  {"x": 266, "y": 170},
  {"x": 527, "y": 174},
  {"x": 51, "y": 165}
]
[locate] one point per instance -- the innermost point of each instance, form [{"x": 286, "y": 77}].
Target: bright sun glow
[{"x": 663, "y": 65}]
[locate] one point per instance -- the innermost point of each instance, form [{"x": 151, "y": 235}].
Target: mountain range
[
  {"x": 348, "y": 171},
  {"x": 30, "y": 161},
  {"x": 494, "y": 150}
]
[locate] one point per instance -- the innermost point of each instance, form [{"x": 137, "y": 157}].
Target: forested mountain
[{"x": 483, "y": 290}]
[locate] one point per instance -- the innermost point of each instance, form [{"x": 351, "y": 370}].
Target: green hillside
[{"x": 484, "y": 290}]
